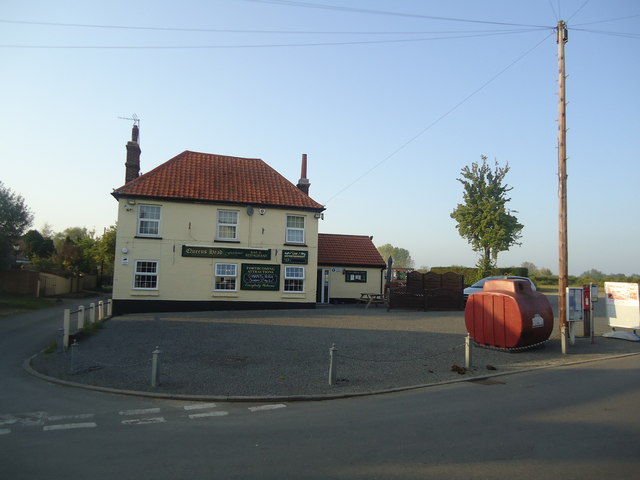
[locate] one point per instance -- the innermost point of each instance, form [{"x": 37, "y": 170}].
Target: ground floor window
[
  {"x": 225, "y": 276},
  {"x": 146, "y": 275},
  {"x": 294, "y": 279},
  {"x": 355, "y": 276}
]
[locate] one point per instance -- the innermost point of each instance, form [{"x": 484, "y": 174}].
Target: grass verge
[{"x": 10, "y": 304}]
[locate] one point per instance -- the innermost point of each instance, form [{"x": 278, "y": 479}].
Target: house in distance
[{"x": 213, "y": 232}]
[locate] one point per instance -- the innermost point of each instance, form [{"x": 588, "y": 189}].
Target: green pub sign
[
  {"x": 260, "y": 277},
  {"x": 300, "y": 257},
  {"x": 223, "y": 252}
]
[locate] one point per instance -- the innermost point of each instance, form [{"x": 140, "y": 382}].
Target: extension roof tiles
[
  {"x": 348, "y": 251},
  {"x": 204, "y": 177}
]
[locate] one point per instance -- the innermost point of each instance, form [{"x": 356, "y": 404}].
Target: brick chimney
[
  {"x": 132, "y": 170},
  {"x": 303, "y": 183}
]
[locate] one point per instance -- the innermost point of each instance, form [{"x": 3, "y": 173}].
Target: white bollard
[
  {"x": 332, "y": 364},
  {"x": 100, "y": 310},
  {"x": 109, "y": 308},
  {"x": 155, "y": 367},
  {"x": 92, "y": 313},
  {"x": 80, "y": 317},
  {"x": 66, "y": 325},
  {"x": 468, "y": 352}
]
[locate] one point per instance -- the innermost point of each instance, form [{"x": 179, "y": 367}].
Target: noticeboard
[{"x": 260, "y": 277}]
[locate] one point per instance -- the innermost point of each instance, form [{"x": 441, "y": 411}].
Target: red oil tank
[{"x": 508, "y": 314}]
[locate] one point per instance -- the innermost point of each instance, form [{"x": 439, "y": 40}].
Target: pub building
[{"x": 214, "y": 232}]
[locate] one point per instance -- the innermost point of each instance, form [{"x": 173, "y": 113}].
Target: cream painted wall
[
  {"x": 339, "y": 288},
  {"x": 186, "y": 278}
]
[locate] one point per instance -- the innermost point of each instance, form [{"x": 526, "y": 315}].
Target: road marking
[
  {"x": 4, "y": 431},
  {"x": 69, "y": 426},
  {"x": 80, "y": 416},
  {"x": 199, "y": 406},
  {"x": 30, "y": 418},
  {"x": 143, "y": 421},
  {"x": 139, "y": 411},
  {"x": 267, "y": 407},
  {"x": 208, "y": 414}
]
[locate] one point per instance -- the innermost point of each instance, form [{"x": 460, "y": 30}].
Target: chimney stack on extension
[
  {"x": 132, "y": 170},
  {"x": 303, "y": 183}
]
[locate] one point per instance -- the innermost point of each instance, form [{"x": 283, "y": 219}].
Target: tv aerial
[{"x": 134, "y": 118}]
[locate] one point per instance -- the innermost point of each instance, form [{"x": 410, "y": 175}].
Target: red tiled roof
[
  {"x": 348, "y": 250},
  {"x": 205, "y": 177}
]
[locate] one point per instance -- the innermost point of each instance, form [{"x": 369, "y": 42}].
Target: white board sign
[{"x": 623, "y": 304}]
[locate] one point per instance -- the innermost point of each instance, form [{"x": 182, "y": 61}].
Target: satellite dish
[{"x": 249, "y": 210}]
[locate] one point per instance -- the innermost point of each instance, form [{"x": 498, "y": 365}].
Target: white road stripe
[
  {"x": 139, "y": 411},
  {"x": 143, "y": 421},
  {"x": 267, "y": 407},
  {"x": 208, "y": 414},
  {"x": 80, "y": 416},
  {"x": 69, "y": 426},
  {"x": 4, "y": 431},
  {"x": 199, "y": 406}
]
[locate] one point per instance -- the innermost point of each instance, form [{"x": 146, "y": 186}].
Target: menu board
[{"x": 260, "y": 277}]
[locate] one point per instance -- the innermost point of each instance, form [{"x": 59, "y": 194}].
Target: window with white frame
[
  {"x": 146, "y": 275},
  {"x": 294, "y": 279},
  {"x": 148, "y": 220},
  {"x": 225, "y": 276},
  {"x": 227, "y": 226},
  {"x": 295, "y": 229}
]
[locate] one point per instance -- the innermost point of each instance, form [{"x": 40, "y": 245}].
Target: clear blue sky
[{"x": 389, "y": 99}]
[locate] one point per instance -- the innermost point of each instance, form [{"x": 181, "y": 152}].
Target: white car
[{"x": 478, "y": 286}]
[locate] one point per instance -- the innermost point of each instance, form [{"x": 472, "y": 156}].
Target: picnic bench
[{"x": 369, "y": 298}]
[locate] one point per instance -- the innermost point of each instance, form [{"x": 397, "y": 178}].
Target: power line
[
  {"x": 578, "y": 10},
  {"x": 609, "y": 33},
  {"x": 225, "y": 30},
  {"x": 266, "y": 45},
  {"x": 607, "y": 20},
  {"x": 439, "y": 119},
  {"x": 321, "y": 6}
]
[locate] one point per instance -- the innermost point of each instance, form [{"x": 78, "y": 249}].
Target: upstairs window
[
  {"x": 294, "y": 279},
  {"x": 225, "y": 277},
  {"x": 148, "y": 221},
  {"x": 227, "y": 227},
  {"x": 295, "y": 229}
]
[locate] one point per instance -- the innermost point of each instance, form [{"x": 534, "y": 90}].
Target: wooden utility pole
[{"x": 563, "y": 270}]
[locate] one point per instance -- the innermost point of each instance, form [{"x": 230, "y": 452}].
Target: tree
[
  {"x": 104, "y": 253},
  {"x": 15, "y": 218},
  {"x": 593, "y": 273},
  {"x": 401, "y": 256},
  {"x": 483, "y": 218},
  {"x": 36, "y": 245}
]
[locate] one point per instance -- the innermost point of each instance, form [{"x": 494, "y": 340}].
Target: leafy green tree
[
  {"x": 483, "y": 219},
  {"x": 36, "y": 245},
  {"x": 401, "y": 256},
  {"x": 15, "y": 218},
  {"x": 104, "y": 253},
  {"x": 74, "y": 251}
]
